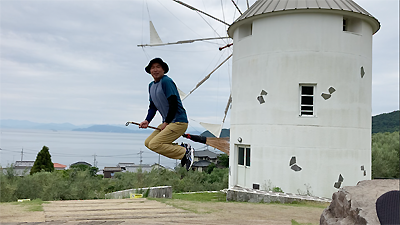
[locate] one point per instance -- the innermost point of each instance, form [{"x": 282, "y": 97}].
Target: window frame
[
  {"x": 245, "y": 30},
  {"x": 301, "y": 105},
  {"x": 244, "y": 160}
]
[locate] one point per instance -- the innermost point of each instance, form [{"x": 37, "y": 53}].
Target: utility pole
[
  {"x": 94, "y": 160},
  {"x": 140, "y": 153},
  {"x": 22, "y": 154}
]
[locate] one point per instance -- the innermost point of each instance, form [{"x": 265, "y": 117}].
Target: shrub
[{"x": 81, "y": 184}]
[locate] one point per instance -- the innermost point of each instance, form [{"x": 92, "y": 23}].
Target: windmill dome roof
[{"x": 272, "y": 7}]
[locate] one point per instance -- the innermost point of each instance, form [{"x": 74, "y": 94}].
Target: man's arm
[
  {"x": 151, "y": 112},
  {"x": 150, "y": 115},
  {"x": 173, "y": 108}
]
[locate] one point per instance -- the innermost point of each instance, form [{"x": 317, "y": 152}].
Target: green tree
[
  {"x": 223, "y": 160},
  {"x": 385, "y": 155},
  {"x": 43, "y": 161},
  {"x": 210, "y": 168},
  {"x": 80, "y": 167}
]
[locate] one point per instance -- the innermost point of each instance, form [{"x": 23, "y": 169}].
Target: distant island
[{"x": 105, "y": 128}]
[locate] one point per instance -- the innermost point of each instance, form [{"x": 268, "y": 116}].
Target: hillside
[
  {"x": 224, "y": 133},
  {"x": 386, "y": 122}
]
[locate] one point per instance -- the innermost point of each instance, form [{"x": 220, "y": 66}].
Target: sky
[{"x": 78, "y": 61}]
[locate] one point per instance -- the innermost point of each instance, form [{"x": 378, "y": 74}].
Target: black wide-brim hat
[{"x": 159, "y": 61}]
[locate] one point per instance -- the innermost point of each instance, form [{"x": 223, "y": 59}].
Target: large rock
[{"x": 356, "y": 204}]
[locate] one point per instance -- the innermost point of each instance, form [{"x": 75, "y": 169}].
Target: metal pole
[{"x": 192, "y": 8}]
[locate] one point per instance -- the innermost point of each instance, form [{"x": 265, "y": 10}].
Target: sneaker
[
  {"x": 184, "y": 159},
  {"x": 189, "y": 157}
]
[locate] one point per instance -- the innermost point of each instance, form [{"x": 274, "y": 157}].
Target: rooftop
[
  {"x": 263, "y": 7},
  {"x": 58, "y": 165},
  {"x": 202, "y": 163},
  {"x": 24, "y": 163},
  {"x": 206, "y": 153}
]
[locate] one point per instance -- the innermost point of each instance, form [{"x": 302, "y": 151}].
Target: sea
[{"x": 100, "y": 149}]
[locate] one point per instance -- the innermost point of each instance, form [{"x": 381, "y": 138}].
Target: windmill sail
[
  {"x": 181, "y": 42},
  {"x": 206, "y": 77},
  {"x": 154, "y": 38},
  {"x": 181, "y": 94},
  {"x": 227, "y": 107},
  {"x": 215, "y": 129}
]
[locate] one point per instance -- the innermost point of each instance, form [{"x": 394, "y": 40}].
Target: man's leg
[
  {"x": 152, "y": 135},
  {"x": 162, "y": 142}
]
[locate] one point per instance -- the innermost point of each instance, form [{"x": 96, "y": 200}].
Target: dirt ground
[{"x": 144, "y": 211}]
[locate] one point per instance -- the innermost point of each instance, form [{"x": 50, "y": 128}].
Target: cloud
[{"x": 78, "y": 61}]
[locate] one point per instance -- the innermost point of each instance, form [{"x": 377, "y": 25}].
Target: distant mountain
[
  {"x": 24, "y": 124},
  {"x": 107, "y": 128},
  {"x": 224, "y": 133},
  {"x": 386, "y": 122}
]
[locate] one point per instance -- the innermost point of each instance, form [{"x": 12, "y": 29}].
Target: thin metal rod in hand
[{"x": 129, "y": 122}]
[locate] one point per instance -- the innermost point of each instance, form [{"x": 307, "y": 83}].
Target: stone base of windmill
[{"x": 356, "y": 204}]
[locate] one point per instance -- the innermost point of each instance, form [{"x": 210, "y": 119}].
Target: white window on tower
[
  {"x": 245, "y": 30},
  {"x": 352, "y": 25},
  {"x": 307, "y": 104}
]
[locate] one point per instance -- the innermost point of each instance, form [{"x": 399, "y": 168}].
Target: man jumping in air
[{"x": 164, "y": 97}]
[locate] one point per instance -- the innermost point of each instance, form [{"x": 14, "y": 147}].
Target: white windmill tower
[{"x": 301, "y": 95}]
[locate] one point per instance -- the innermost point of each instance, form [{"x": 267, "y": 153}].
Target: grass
[
  {"x": 32, "y": 206},
  {"x": 221, "y": 197},
  {"x": 294, "y": 222},
  {"x": 201, "y": 197},
  {"x": 321, "y": 205}
]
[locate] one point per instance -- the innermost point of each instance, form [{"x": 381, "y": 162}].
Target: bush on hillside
[{"x": 385, "y": 155}]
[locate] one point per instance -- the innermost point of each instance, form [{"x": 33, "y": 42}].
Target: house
[
  {"x": 135, "y": 168},
  {"x": 124, "y": 165},
  {"x": 206, "y": 155},
  {"x": 22, "y": 168},
  {"x": 202, "y": 159},
  {"x": 158, "y": 166},
  {"x": 58, "y": 166},
  {"x": 109, "y": 172},
  {"x": 201, "y": 165},
  {"x": 132, "y": 167}
]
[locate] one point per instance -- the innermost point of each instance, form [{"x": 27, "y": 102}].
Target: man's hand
[
  {"x": 144, "y": 124},
  {"x": 163, "y": 125}
]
